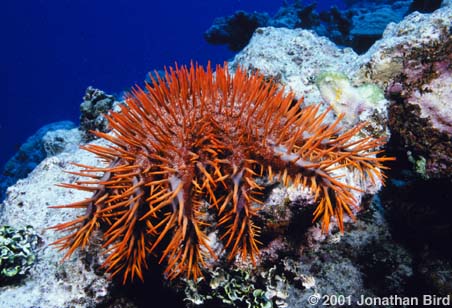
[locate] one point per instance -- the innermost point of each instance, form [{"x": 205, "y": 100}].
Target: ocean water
[{"x": 53, "y": 50}]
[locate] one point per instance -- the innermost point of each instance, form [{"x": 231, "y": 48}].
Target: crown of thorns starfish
[{"x": 194, "y": 143}]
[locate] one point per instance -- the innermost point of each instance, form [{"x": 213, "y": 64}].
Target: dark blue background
[{"x": 52, "y": 50}]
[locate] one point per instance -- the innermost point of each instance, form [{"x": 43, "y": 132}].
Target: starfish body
[{"x": 193, "y": 144}]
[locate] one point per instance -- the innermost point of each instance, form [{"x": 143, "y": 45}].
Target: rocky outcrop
[
  {"x": 50, "y": 283},
  {"x": 413, "y": 63},
  {"x": 48, "y": 140},
  {"x": 95, "y": 104},
  {"x": 236, "y": 30}
]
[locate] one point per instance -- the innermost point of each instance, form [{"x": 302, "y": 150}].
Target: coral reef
[
  {"x": 194, "y": 147},
  {"x": 49, "y": 283},
  {"x": 369, "y": 23},
  {"x": 17, "y": 252},
  {"x": 418, "y": 83},
  {"x": 417, "y": 212},
  {"x": 335, "y": 25},
  {"x": 358, "y": 104},
  {"x": 339, "y": 264},
  {"x": 421, "y": 115},
  {"x": 61, "y": 140},
  {"x": 288, "y": 56},
  {"x": 236, "y": 30},
  {"x": 95, "y": 104},
  {"x": 412, "y": 62},
  {"x": 31, "y": 153},
  {"x": 384, "y": 61},
  {"x": 358, "y": 27},
  {"x": 397, "y": 247},
  {"x": 295, "y": 58},
  {"x": 238, "y": 288}
]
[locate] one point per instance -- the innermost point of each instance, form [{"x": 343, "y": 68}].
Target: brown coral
[{"x": 194, "y": 145}]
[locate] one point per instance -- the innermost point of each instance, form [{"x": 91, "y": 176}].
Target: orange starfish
[{"x": 193, "y": 145}]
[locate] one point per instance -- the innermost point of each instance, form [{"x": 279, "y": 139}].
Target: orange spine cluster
[{"x": 185, "y": 157}]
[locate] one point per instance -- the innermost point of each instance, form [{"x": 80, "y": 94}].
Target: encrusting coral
[{"x": 194, "y": 145}]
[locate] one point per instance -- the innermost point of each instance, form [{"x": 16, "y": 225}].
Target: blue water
[{"x": 53, "y": 50}]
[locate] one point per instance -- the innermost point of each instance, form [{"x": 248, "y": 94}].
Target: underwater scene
[{"x": 226, "y": 153}]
